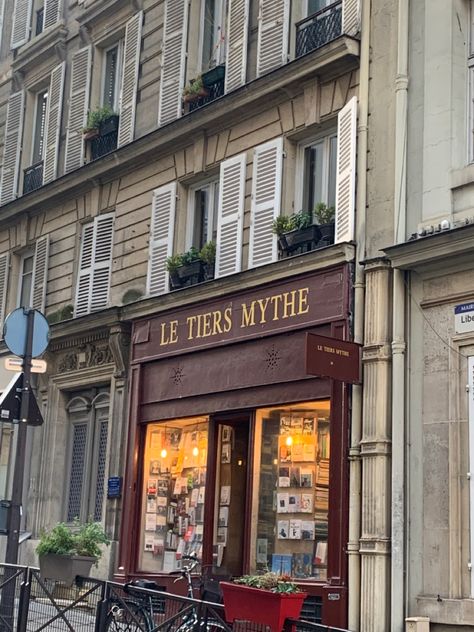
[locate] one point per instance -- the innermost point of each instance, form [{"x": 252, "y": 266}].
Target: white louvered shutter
[
  {"x": 40, "y": 273},
  {"x": 95, "y": 264},
  {"x": 161, "y": 238},
  {"x": 173, "y": 60},
  {"x": 266, "y": 202},
  {"x": 78, "y": 106},
  {"x": 2, "y": 10},
  {"x": 104, "y": 230},
  {"x": 51, "y": 13},
  {"x": 12, "y": 147},
  {"x": 237, "y": 35},
  {"x": 128, "y": 91},
  {"x": 4, "y": 273},
  {"x": 350, "y": 17},
  {"x": 230, "y": 218},
  {"x": 273, "y": 35},
  {"x": 346, "y": 171},
  {"x": 53, "y": 123},
  {"x": 21, "y": 23}
]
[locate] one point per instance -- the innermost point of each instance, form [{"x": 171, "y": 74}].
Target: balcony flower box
[
  {"x": 306, "y": 238},
  {"x": 109, "y": 125},
  {"x": 212, "y": 76},
  {"x": 65, "y": 568},
  {"x": 244, "y": 603}
]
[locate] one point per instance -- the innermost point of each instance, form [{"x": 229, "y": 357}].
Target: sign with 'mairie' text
[{"x": 464, "y": 318}]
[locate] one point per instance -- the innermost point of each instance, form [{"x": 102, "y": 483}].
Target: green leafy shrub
[
  {"x": 208, "y": 252},
  {"x": 324, "y": 214},
  {"x": 98, "y": 116},
  {"x": 173, "y": 262},
  {"x": 269, "y": 581},
  {"x": 194, "y": 87},
  {"x": 302, "y": 219},
  {"x": 282, "y": 224},
  {"x": 80, "y": 539},
  {"x": 190, "y": 256}
]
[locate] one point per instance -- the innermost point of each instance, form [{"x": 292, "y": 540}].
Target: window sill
[
  {"x": 461, "y": 177},
  {"x": 446, "y": 611},
  {"x": 53, "y": 39}
]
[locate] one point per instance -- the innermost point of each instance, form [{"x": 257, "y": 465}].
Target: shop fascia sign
[{"x": 464, "y": 318}]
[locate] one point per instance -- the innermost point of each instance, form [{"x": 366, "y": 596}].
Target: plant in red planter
[{"x": 268, "y": 599}]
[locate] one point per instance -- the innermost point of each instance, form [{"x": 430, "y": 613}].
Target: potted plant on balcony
[
  {"x": 267, "y": 599},
  {"x": 195, "y": 90},
  {"x": 191, "y": 270},
  {"x": 100, "y": 121},
  {"x": 65, "y": 552},
  {"x": 172, "y": 265},
  {"x": 325, "y": 216},
  {"x": 296, "y": 232},
  {"x": 208, "y": 257},
  {"x": 213, "y": 76}
]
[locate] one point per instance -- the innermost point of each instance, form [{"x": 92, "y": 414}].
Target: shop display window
[
  {"x": 291, "y": 490},
  {"x": 174, "y": 483}
]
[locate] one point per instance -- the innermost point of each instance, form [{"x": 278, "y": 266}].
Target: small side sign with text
[{"x": 464, "y": 318}]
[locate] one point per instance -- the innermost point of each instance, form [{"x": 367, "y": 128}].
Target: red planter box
[{"x": 260, "y": 606}]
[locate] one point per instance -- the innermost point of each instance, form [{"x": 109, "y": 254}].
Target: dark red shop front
[{"x": 235, "y": 452}]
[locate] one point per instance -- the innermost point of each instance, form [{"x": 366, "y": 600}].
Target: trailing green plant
[
  {"x": 269, "y": 581},
  {"x": 208, "y": 253},
  {"x": 98, "y": 116},
  {"x": 194, "y": 87},
  {"x": 80, "y": 539},
  {"x": 324, "y": 214},
  {"x": 282, "y": 224}
]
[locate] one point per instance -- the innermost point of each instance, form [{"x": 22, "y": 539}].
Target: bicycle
[{"x": 139, "y": 613}]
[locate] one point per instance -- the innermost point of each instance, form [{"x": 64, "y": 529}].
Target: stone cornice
[
  {"x": 335, "y": 58},
  {"x": 40, "y": 47},
  {"x": 454, "y": 246}
]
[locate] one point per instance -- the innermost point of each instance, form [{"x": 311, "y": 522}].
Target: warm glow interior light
[
  {"x": 164, "y": 453},
  {"x": 289, "y": 440},
  {"x": 195, "y": 451}
]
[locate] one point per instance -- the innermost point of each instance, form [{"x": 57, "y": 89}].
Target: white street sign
[
  {"x": 16, "y": 364},
  {"x": 464, "y": 318}
]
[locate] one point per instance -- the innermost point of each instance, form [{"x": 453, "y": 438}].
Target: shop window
[
  {"x": 213, "y": 33},
  {"x": 319, "y": 161},
  {"x": 202, "y": 214},
  {"x": 291, "y": 490},
  {"x": 88, "y": 450},
  {"x": 174, "y": 485}
]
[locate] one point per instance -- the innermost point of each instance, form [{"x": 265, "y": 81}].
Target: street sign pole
[{"x": 14, "y": 520}]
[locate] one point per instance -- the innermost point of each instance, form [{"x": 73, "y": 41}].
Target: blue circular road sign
[{"x": 15, "y": 331}]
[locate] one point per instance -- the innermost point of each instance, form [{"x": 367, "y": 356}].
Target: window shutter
[
  {"x": 346, "y": 171},
  {"x": 40, "y": 273},
  {"x": 230, "y": 218},
  {"x": 173, "y": 60},
  {"x": 21, "y": 23},
  {"x": 237, "y": 34},
  {"x": 273, "y": 34},
  {"x": 94, "y": 268},
  {"x": 53, "y": 123},
  {"x": 350, "y": 17},
  {"x": 12, "y": 147},
  {"x": 4, "y": 273},
  {"x": 2, "y": 9},
  {"x": 78, "y": 105},
  {"x": 266, "y": 202},
  {"x": 128, "y": 91},
  {"x": 76, "y": 474},
  {"x": 161, "y": 238},
  {"x": 102, "y": 262},
  {"x": 51, "y": 12}
]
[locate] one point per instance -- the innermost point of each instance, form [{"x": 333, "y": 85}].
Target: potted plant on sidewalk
[
  {"x": 65, "y": 552},
  {"x": 268, "y": 599}
]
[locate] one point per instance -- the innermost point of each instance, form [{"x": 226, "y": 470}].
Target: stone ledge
[
  {"x": 51, "y": 39},
  {"x": 446, "y": 611}
]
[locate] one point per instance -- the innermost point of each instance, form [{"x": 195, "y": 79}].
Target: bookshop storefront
[{"x": 235, "y": 452}]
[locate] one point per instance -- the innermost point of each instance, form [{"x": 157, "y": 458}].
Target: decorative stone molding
[
  {"x": 119, "y": 342},
  {"x": 88, "y": 355}
]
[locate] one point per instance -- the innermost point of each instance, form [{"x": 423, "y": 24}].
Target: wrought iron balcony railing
[
  {"x": 103, "y": 144},
  {"x": 318, "y": 29},
  {"x": 215, "y": 91},
  {"x": 33, "y": 177}
]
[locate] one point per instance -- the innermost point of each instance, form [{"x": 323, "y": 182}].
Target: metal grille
[
  {"x": 103, "y": 145},
  {"x": 33, "y": 177},
  {"x": 76, "y": 479},
  {"x": 215, "y": 91},
  {"x": 101, "y": 454},
  {"x": 319, "y": 29}
]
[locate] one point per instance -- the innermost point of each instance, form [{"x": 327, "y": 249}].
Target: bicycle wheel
[{"x": 128, "y": 616}]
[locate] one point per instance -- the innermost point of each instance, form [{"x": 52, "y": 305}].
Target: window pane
[
  {"x": 314, "y": 162},
  {"x": 101, "y": 454},
  {"x": 76, "y": 477},
  {"x": 317, "y": 5},
  {"x": 26, "y": 280},
  {"x": 332, "y": 171},
  {"x": 40, "y": 123},
  {"x": 201, "y": 217},
  {"x": 208, "y": 38},
  {"x": 110, "y": 78},
  {"x": 173, "y": 492},
  {"x": 292, "y": 490}
]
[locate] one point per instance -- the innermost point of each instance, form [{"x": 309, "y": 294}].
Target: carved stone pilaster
[{"x": 119, "y": 342}]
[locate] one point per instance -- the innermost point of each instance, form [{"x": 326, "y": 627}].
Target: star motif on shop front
[
  {"x": 273, "y": 358},
  {"x": 178, "y": 375}
]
